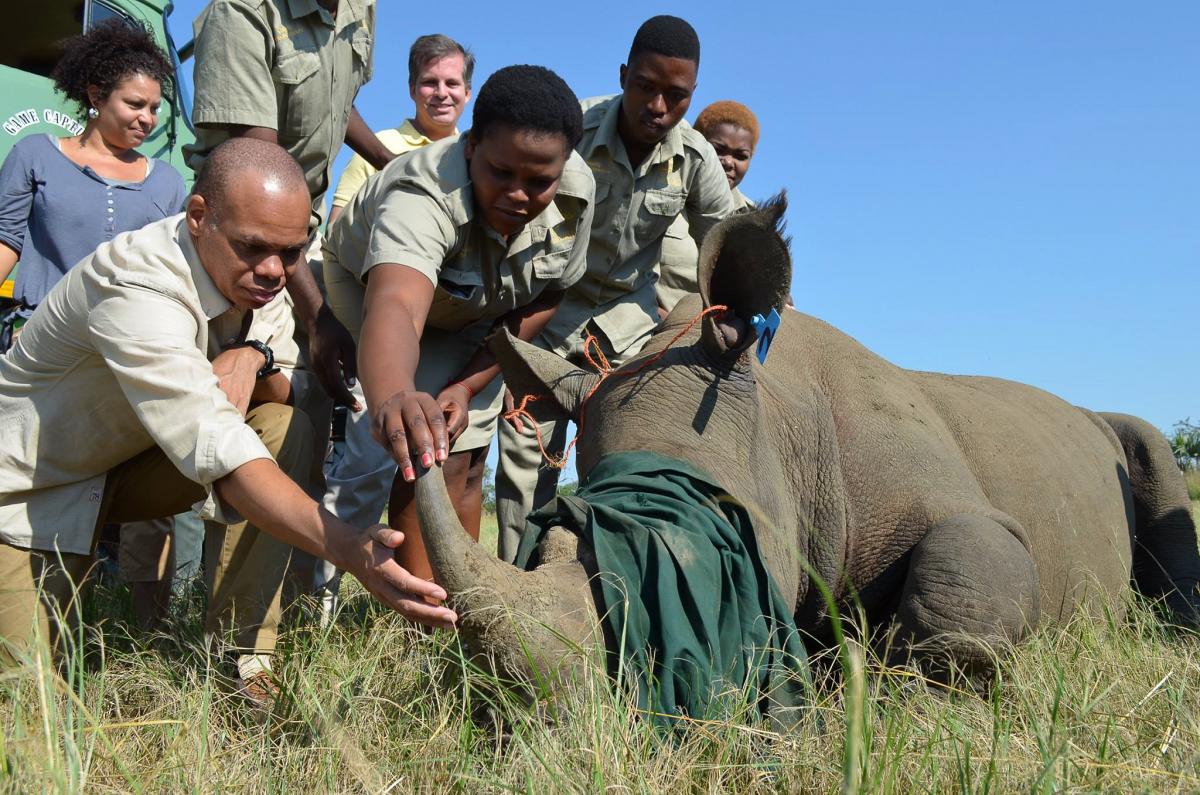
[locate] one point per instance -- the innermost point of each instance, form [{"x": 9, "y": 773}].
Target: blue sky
[{"x": 1002, "y": 189}]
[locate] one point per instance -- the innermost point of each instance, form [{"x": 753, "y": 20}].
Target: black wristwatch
[{"x": 268, "y": 367}]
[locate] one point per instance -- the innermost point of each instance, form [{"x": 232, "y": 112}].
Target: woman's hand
[
  {"x": 455, "y": 401},
  {"x": 512, "y": 419},
  {"x": 412, "y": 426}
]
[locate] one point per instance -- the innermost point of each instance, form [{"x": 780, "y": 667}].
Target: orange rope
[{"x": 605, "y": 370}]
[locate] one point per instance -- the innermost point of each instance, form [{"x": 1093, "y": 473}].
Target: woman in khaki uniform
[{"x": 437, "y": 250}]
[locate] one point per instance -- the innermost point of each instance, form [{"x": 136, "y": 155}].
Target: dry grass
[{"x": 374, "y": 705}]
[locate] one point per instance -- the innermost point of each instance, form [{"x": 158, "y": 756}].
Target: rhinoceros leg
[
  {"x": 1166, "y": 563},
  {"x": 971, "y": 588}
]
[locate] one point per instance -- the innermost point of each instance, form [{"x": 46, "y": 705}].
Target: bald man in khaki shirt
[{"x": 134, "y": 393}]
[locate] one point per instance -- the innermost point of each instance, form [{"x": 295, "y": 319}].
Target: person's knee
[{"x": 287, "y": 434}]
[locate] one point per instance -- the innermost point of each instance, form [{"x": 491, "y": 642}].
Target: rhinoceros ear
[
  {"x": 528, "y": 370},
  {"x": 745, "y": 265}
]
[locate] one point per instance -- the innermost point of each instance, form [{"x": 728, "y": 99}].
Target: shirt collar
[
  {"x": 413, "y": 137},
  {"x": 211, "y": 301},
  {"x": 608, "y": 136}
]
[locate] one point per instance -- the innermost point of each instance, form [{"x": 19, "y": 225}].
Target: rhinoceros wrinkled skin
[{"x": 964, "y": 510}]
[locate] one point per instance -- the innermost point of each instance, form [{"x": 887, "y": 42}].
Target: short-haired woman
[
  {"x": 439, "y": 248},
  {"x": 732, "y": 129}
]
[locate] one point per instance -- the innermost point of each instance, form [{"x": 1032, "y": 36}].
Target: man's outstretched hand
[{"x": 409, "y": 596}]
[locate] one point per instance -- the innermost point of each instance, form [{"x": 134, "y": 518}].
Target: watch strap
[{"x": 268, "y": 367}]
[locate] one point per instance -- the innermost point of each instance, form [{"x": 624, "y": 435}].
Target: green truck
[{"x": 29, "y": 42}]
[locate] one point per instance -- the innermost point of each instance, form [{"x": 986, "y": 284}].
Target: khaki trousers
[{"x": 244, "y": 567}]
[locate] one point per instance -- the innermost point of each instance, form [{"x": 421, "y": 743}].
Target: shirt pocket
[
  {"x": 460, "y": 298},
  {"x": 296, "y": 74},
  {"x": 678, "y": 228},
  {"x": 363, "y": 64},
  {"x": 603, "y": 188},
  {"x": 659, "y": 209},
  {"x": 552, "y": 264}
]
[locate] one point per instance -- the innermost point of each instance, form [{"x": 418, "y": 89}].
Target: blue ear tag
[{"x": 765, "y": 327}]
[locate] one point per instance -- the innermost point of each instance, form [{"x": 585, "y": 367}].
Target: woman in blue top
[{"x": 62, "y": 197}]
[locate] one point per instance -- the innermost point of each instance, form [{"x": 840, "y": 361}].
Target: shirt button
[
  {"x": 110, "y": 209},
  {"x": 110, "y": 201}
]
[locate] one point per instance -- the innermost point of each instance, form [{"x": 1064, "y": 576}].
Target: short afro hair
[
  {"x": 726, "y": 111},
  {"x": 666, "y": 35},
  {"x": 529, "y": 98},
  {"x": 104, "y": 56}
]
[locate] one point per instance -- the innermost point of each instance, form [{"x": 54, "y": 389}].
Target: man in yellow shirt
[
  {"x": 360, "y": 478},
  {"x": 439, "y": 82}
]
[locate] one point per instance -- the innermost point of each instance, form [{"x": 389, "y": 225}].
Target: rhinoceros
[{"x": 965, "y": 511}]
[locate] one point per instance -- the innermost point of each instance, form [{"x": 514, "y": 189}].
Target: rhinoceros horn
[{"x": 527, "y": 624}]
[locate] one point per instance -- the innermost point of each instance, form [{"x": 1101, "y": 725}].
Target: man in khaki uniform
[
  {"x": 145, "y": 383},
  {"x": 649, "y": 168},
  {"x": 359, "y": 479},
  {"x": 287, "y": 71},
  {"x": 451, "y": 241}
]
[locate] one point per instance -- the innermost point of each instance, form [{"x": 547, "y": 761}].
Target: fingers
[
  {"x": 456, "y": 412},
  {"x": 388, "y": 536},
  {"x": 419, "y": 434},
  {"x": 396, "y": 441},
  {"x": 456, "y": 420},
  {"x": 424, "y": 613},
  {"x": 350, "y": 371},
  {"x": 334, "y": 360},
  {"x": 329, "y": 372},
  {"x": 407, "y": 595},
  {"x": 509, "y": 405}
]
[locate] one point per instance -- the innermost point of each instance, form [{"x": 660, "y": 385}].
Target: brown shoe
[{"x": 259, "y": 690}]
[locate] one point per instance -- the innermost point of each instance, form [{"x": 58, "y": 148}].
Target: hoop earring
[{"x": 92, "y": 113}]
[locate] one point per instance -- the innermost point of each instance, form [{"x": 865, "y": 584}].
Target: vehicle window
[
  {"x": 30, "y": 36},
  {"x": 99, "y": 12}
]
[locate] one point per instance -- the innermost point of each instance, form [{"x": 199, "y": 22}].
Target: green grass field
[{"x": 374, "y": 705}]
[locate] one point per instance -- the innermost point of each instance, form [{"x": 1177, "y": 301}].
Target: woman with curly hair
[{"x": 62, "y": 197}]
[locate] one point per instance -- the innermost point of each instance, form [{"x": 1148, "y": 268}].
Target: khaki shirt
[
  {"x": 287, "y": 65},
  {"x": 634, "y": 207},
  {"x": 398, "y": 141},
  {"x": 677, "y": 267},
  {"x": 419, "y": 212},
  {"x": 116, "y": 360}
]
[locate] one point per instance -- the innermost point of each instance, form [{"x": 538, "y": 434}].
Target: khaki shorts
[{"x": 443, "y": 355}]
